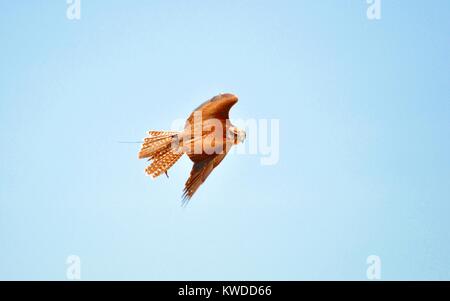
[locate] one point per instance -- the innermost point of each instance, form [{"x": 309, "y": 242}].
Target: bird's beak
[{"x": 241, "y": 136}]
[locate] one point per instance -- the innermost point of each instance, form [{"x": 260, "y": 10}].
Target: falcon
[{"x": 207, "y": 137}]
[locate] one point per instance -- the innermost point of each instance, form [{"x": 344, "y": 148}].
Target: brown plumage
[{"x": 207, "y": 137}]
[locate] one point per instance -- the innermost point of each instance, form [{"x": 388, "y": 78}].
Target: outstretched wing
[
  {"x": 217, "y": 107},
  {"x": 200, "y": 171}
]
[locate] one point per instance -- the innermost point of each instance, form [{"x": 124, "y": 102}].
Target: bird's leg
[{"x": 167, "y": 175}]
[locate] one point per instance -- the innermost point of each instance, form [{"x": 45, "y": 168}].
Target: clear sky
[{"x": 364, "y": 113}]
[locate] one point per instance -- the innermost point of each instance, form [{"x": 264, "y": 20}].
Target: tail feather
[
  {"x": 160, "y": 149},
  {"x": 156, "y": 143},
  {"x": 161, "y": 133},
  {"x": 162, "y": 163}
]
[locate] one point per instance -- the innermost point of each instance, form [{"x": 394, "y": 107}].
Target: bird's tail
[{"x": 163, "y": 149}]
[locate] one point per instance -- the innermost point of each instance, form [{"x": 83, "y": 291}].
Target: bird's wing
[
  {"x": 217, "y": 107},
  {"x": 200, "y": 171}
]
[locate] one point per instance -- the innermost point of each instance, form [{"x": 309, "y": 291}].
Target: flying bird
[{"x": 206, "y": 138}]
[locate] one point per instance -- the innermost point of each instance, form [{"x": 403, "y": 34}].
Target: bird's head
[{"x": 237, "y": 135}]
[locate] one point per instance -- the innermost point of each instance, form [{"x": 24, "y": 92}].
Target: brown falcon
[{"x": 207, "y": 137}]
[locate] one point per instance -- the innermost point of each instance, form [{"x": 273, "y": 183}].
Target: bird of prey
[{"x": 206, "y": 138}]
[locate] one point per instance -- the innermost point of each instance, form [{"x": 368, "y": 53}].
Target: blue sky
[{"x": 364, "y": 118}]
